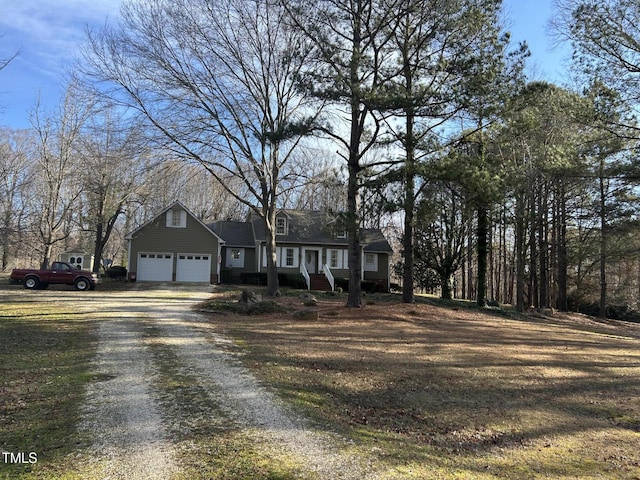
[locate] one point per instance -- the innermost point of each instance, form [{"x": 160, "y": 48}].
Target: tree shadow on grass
[{"x": 452, "y": 385}]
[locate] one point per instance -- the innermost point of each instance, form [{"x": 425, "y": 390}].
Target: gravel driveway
[{"x": 128, "y": 425}]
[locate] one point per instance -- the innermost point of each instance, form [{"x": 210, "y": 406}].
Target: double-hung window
[
  {"x": 290, "y": 258},
  {"x": 281, "y": 226},
  {"x": 333, "y": 258}
]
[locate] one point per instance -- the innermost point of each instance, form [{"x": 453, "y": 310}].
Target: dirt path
[{"x": 123, "y": 413}]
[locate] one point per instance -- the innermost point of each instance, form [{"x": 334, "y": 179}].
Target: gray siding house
[
  {"x": 174, "y": 246},
  {"x": 310, "y": 243}
]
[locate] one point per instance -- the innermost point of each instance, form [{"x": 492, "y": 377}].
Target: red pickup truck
[{"x": 61, "y": 273}]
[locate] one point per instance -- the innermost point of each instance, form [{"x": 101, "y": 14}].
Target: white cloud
[{"x": 49, "y": 31}]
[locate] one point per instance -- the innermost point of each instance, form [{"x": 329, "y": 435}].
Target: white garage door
[
  {"x": 193, "y": 267},
  {"x": 155, "y": 267}
]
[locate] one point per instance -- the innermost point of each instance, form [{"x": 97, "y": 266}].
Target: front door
[{"x": 311, "y": 261}]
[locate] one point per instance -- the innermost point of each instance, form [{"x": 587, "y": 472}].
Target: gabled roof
[
  {"x": 235, "y": 234},
  {"x": 130, "y": 235},
  {"x": 374, "y": 241},
  {"x": 317, "y": 227},
  {"x": 303, "y": 226}
]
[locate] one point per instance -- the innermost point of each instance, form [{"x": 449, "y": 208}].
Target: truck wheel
[
  {"x": 82, "y": 284},
  {"x": 31, "y": 283}
]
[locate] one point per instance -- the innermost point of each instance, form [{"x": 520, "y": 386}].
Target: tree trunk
[
  {"x": 98, "y": 248},
  {"x": 409, "y": 212},
  {"x": 103, "y": 234},
  {"x": 499, "y": 272},
  {"x": 533, "y": 267},
  {"x": 506, "y": 297},
  {"x": 354, "y": 299},
  {"x": 603, "y": 244},
  {"x": 46, "y": 256},
  {"x": 463, "y": 278},
  {"x": 520, "y": 251},
  {"x": 5, "y": 252},
  {"x": 409, "y": 193},
  {"x": 446, "y": 287},
  {"x": 482, "y": 249},
  {"x": 407, "y": 248},
  {"x": 562, "y": 265},
  {"x": 470, "y": 292},
  {"x": 270, "y": 247},
  {"x": 542, "y": 247}
]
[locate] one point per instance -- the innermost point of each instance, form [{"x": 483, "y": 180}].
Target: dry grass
[
  {"x": 435, "y": 392},
  {"x": 45, "y": 350}
]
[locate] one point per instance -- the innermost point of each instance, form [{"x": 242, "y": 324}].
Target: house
[{"x": 311, "y": 243}]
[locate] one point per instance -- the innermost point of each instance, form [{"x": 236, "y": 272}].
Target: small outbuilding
[{"x": 82, "y": 261}]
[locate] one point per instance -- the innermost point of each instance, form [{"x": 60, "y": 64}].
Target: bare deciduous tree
[
  {"x": 16, "y": 176},
  {"x": 110, "y": 147},
  {"x": 59, "y": 185},
  {"x": 217, "y": 81}
]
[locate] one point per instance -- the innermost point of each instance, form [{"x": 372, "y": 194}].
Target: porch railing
[
  {"x": 305, "y": 274},
  {"x": 329, "y": 275}
]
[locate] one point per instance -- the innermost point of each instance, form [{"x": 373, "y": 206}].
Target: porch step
[{"x": 319, "y": 282}]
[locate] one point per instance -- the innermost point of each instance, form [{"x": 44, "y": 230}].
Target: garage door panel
[
  {"x": 193, "y": 267},
  {"x": 155, "y": 267}
]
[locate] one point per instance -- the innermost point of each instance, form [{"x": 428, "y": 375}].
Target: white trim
[
  {"x": 285, "y": 221},
  {"x": 296, "y": 257},
  {"x": 179, "y": 204},
  {"x": 303, "y": 259},
  {"x": 259, "y": 255},
  {"x": 329, "y": 276},
  {"x": 129, "y": 260},
  {"x": 176, "y": 217},
  {"x": 305, "y": 274},
  {"x": 233, "y": 262},
  {"x": 342, "y": 258},
  {"x": 370, "y": 266},
  {"x": 281, "y": 256}
]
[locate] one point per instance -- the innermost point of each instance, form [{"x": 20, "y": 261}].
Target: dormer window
[
  {"x": 341, "y": 233},
  {"x": 281, "y": 225},
  {"x": 176, "y": 218}
]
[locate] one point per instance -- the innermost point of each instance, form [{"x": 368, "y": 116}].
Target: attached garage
[
  {"x": 155, "y": 267},
  {"x": 174, "y": 246},
  {"x": 193, "y": 267}
]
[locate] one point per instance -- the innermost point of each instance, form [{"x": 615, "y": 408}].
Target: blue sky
[{"x": 48, "y": 32}]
